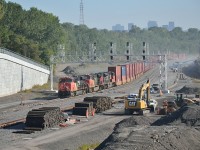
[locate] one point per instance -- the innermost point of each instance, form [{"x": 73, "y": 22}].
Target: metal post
[
  {"x": 51, "y": 69},
  {"x": 160, "y": 69},
  {"x": 165, "y": 69},
  {"x": 51, "y": 77}
]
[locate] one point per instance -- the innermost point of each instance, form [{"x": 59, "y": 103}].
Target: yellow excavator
[{"x": 139, "y": 105}]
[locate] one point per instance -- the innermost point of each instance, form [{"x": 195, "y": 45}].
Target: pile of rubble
[{"x": 180, "y": 130}]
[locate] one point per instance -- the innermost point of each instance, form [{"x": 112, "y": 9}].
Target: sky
[{"x": 103, "y": 14}]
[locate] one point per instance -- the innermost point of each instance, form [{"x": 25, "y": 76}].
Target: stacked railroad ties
[
  {"x": 47, "y": 117},
  {"x": 90, "y": 105}
]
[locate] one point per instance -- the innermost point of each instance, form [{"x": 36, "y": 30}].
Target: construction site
[{"x": 136, "y": 114}]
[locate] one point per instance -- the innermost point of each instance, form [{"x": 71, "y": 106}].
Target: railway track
[
  {"x": 22, "y": 120},
  {"x": 152, "y": 75}
]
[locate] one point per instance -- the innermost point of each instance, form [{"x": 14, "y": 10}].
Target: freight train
[{"x": 115, "y": 76}]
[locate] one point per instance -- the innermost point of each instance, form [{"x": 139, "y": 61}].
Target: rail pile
[
  {"x": 100, "y": 103},
  {"x": 44, "y": 117}
]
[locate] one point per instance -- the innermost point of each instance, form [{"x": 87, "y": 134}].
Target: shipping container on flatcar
[
  {"x": 136, "y": 70},
  {"x": 131, "y": 71},
  {"x": 141, "y": 68},
  {"x": 117, "y": 72},
  {"x": 128, "y": 73},
  {"x": 146, "y": 68},
  {"x": 123, "y": 73}
]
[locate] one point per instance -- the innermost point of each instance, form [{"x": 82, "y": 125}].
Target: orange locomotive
[
  {"x": 78, "y": 85},
  {"x": 116, "y": 75}
]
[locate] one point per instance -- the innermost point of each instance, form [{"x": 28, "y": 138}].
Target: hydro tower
[{"x": 81, "y": 14}]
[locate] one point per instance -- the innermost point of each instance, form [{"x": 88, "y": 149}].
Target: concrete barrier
[{"x": 19, "y": 73}]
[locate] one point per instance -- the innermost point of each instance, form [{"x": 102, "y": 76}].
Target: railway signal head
[
  {"x": 144, "y": 51},
  {"x": 127, "y": 58},
  {"x": 111, "y": 58}
]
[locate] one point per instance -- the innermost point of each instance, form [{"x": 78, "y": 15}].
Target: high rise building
[
  {"x": 118, "y": 27},
  {"x": 130, "y": 25},
  {"x": 152, "y": 24},
  {"x": 171, "y": 26}
]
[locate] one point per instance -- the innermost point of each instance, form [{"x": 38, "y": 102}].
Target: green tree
[{"x": 2, "y": 7}]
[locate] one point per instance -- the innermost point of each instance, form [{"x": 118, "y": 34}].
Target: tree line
[{"x": 37, "y": 34}]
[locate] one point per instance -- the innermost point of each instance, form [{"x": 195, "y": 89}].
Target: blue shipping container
[{"x": 123, "y": 70}]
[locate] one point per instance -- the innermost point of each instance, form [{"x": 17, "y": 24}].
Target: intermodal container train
[{"x": 115, "y": 76}]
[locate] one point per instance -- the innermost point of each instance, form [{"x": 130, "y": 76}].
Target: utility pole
[
  {"x": 81, "y": 13},
  {"x": 162, "y": 61},
  {"x": 51, "y": 70},
  {"x": 163, "y": 72}
]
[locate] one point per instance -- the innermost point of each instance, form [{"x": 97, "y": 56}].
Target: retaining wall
[{"x": 19, "y": 73}]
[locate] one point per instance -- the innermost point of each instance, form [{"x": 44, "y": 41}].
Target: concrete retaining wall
[{"x": 17, "y": 74}]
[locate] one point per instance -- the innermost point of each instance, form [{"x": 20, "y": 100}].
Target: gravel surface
[
  {"x": 94, "y": 130},
  {"x": 141, "y": 132},
  {"x": 142, "y": 137}
]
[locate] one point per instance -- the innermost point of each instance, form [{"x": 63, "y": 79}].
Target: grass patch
[
  {"x": 41, "y": 87},
  {"x": 88, "y": 146},
  {"x": 37, "y": 87}
]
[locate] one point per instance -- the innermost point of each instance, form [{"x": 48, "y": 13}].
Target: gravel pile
[
  {"x": 153, "y": 138},
  {"x": 168, "y": 132},
  {"x": 188, "y": 114},
  {"x": 69, "y": 71},
  {"x": 193, "y": 70},
  {"x": 134, "y": 120},
  {"x": 189, "y": 90}
]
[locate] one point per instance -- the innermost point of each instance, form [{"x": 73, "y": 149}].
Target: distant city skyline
[
  {"x": 103, "y": 14},
  {"x": 118, "y": 27}
]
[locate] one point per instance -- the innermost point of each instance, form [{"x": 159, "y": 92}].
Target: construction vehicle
[
  {"x": 155, "y": 87},
  {"x": 180, "y": 100},
  {"x": 168, "y": 107},
  {"x": 140, "y": 105}
]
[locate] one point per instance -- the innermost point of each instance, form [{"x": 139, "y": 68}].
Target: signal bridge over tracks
[{"x": 113, "y": 57}]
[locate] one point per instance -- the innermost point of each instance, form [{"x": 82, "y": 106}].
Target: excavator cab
[{"x": 140, "y": 104}]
